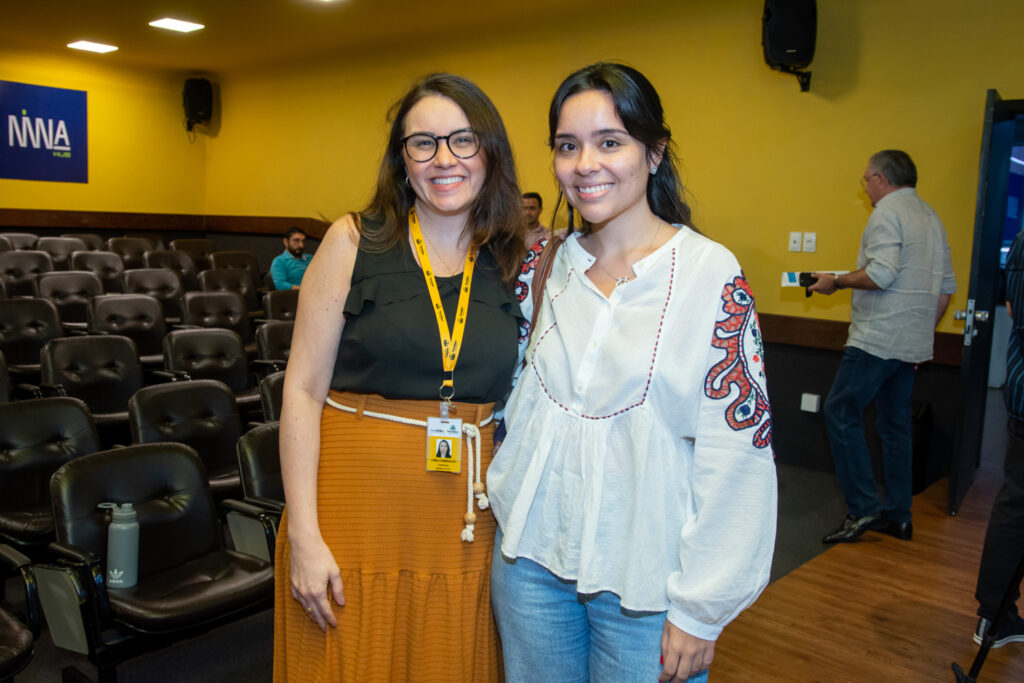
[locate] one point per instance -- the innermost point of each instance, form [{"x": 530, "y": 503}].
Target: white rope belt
[{"x": 474, "y": 485}]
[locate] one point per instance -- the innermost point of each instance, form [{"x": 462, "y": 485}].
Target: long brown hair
[{"x": 496, "y": 216}]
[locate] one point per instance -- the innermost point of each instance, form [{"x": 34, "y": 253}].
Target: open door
[{"x": 1003, "y": 128}]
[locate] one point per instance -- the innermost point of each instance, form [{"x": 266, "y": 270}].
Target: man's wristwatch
[{"x": 835, "y": 282}]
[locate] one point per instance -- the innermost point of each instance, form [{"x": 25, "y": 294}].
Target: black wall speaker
[
  {"x": 788, "y": 31},
  {"x": 198, "y": 101}
]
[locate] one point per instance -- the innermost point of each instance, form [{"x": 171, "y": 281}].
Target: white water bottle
[{"x": 122, "y": 546}]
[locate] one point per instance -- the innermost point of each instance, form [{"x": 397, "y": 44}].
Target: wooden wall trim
[
  {"x": 79, "y": 221},
  {"x": 831, "y": 335}
]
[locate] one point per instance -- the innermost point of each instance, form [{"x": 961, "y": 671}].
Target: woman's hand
[
  {"x": 313, "y": 571},
  {"x": 683, "y": 655}
]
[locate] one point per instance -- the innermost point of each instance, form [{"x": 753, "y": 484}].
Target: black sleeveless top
[{"x": 390, "y": 344}]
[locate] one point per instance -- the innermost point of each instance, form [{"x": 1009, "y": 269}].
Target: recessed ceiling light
[
  {"x": 92, "y": 47},
  {"x": 176, "y": 25}
]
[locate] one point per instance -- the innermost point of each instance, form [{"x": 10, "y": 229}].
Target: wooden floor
[{"x": 877, "y": 610}]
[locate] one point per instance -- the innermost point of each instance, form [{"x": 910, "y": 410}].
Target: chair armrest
[
  {"x": 268, "y": 365},
  {"x": 268, "y": 504},
  {"x": 23, "y": 565},
  {"x": 253, "y": 530},
  {"x": 90, "y": 570},
  {"x": 172, "y": 375}
]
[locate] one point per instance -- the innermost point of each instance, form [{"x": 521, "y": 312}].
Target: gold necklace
[
  {"x": 626, "y": 278},
  {"x": 450, "y": 270}
]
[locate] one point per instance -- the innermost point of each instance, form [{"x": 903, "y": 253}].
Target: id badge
[{"x": 444, "y": 445}]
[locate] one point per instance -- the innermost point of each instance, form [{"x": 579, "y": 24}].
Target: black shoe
[
  {"x": 1010, "y": 631},
  {"x": 901, "y": 530},
  {"x": 852, "y": 527}
]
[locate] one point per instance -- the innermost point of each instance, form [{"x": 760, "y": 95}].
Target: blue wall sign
[{"x": 45, "y": 133}]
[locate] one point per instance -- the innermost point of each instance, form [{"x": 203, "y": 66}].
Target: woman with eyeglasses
[
  {"x": 635, "y": 489},
  {"x": 407, "y": 330}
]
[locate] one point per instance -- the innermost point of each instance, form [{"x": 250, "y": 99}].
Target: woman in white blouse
[{"x": 635, "y": 489}]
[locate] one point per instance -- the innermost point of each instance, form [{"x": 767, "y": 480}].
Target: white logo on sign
[{"x": 38, "y": 132}]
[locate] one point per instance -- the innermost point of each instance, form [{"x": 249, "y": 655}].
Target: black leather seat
[
  {"x": 106, "y": 265},
  {"x": 179, "y": 261},
  {"x": 17, "y": 638},
  {"x": 201, "y": 413},
  {"x": 219, "y": 309},
  {"x": 21, "y": 240},
  {"x": 232, "y": 280},
  {"x": 259, "y": 463},
  {"x": 281, "y": 304},
  {"x": 104, "y": 371},
  {"x": 274, "y": 340},
  {"x": 5, "y": 244},
  {"x": 59, "y": 249},
  {"x": 214, "y": 353},
  {"x": 246, "y": 260},
  {"x": 93, "y": 242},
  {"x": 271, "y": 395},
  {"x": 163, "y": 284},
  {"x": 187, "y": 581},
  {"x": 70, "y": 291},
  {"x": 5, "y": 380},
  {"x": 130, "y": 249},
  {"x": 198, "y": 248},
  {"x": 38, "y": 436},
  {"x": 155, "y": 238},
  {"x": 26, "y": 325},
  {"x": 19, "y": 270},
  {"x": 136, "y": 316}
]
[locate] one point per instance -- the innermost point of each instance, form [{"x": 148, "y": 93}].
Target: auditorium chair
[
  {"x": 106, "y": 265},
  {"x": 130, "y": 249},
  {"x": 274, "y": 340},
  {"x": 26, "y": 325},
  {"x": 215, "y": 353},
  {"x": 17, "y": 637},
  {"x": 281, "y": 304},
  {"x": 201, "y": 413},
  {"x": 163, "y": 284},
  {"x": 136, "y": 316},
  {"x": 155, "y": 238},
  {"x": 5, "y": 244},
  {"x": 19, "y": 270},
  {"x": 245, "y": 260},
  {"x": 5, "y": 381},
  {"x": 70, "y": 291},
  {"x": 271, "y": 395},
  {"x": 93, "y": 242},
  {"x": 259, "y": 465},
  {"x": 104, "y": 371},
  {"x": 219, "y": 309},
  {"x": 188, "y": 582},
  {"x": 60, "y": 249},
  {"x": 198, "y": 248},
  {"x": 178, "y": 261},
  {"x": 21, "y": 240},
  {"x": 232, "y": 280},
  {"x": 38, "y": 436}
]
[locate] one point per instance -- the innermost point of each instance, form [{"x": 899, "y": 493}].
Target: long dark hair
[
  {"x": 496, "y": 217},
  {"x": 638, "y": 105}
]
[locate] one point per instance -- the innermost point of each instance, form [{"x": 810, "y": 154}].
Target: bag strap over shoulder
[{"x": 540, "y": 276}]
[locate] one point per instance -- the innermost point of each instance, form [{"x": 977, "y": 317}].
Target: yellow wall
[
  {"x": 760, "y": 157},
  {"x": 140, "y": 156}
]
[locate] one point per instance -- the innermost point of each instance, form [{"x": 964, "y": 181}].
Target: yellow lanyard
[{"x": 451, "y": 344}]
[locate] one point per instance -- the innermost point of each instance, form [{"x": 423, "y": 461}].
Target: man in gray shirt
[{"x": 901, "y": 287}]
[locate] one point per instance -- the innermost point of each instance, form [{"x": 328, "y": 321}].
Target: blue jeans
[
  {"x": 549, "y": 632},
  {"x": 862, "y": 377}
]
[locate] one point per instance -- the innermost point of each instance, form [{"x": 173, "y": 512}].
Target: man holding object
[{"x": 901, "y": 288}]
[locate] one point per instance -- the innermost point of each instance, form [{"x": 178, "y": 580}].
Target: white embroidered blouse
[{"x": 638, "y": 457}]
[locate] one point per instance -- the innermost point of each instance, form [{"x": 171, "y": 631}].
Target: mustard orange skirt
[{"x": 417, "y": 598}]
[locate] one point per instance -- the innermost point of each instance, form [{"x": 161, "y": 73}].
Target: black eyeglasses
[{"x": 423, "y": 146}]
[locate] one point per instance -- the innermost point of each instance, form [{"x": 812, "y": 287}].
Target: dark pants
[
  {"x": 860, "y": 379},
  {"x": 1004, "y": 540}
]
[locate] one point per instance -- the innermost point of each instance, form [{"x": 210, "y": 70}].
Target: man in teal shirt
[{"x": 287, "y": 268}]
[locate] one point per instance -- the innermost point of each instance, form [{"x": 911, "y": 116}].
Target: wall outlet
[
  {"x": 810, "y": 241},
  {"x": 810, "y": 403},
  {"x": 795, "y": 240}
]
